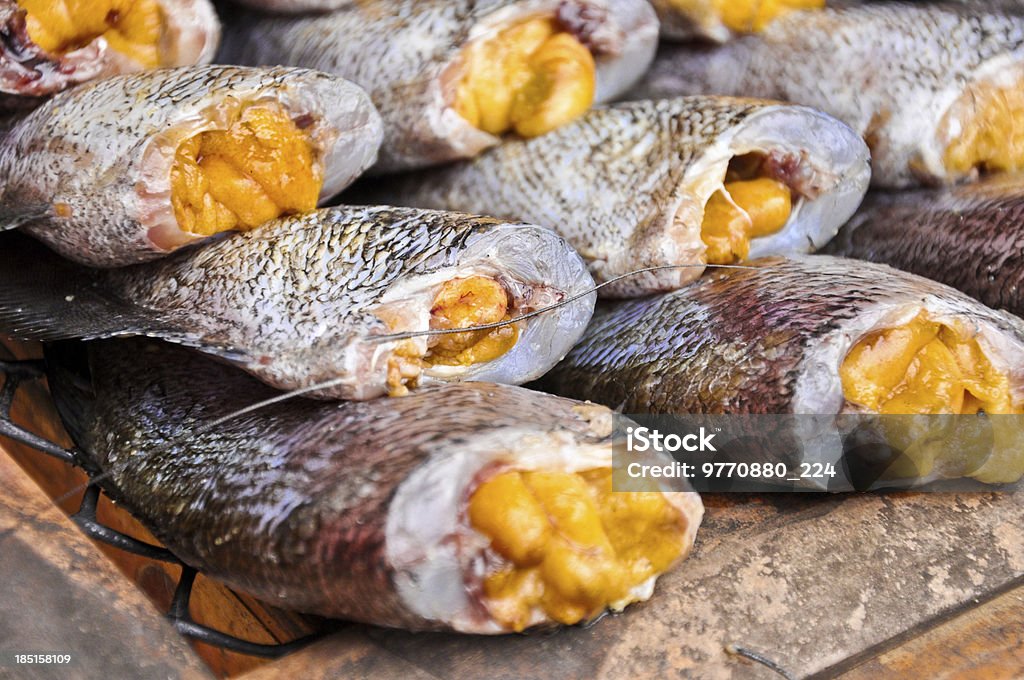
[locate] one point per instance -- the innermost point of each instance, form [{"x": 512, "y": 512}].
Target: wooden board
[{"x": 61, "y": 594}]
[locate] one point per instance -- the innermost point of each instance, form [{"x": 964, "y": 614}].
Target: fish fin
[
  {"x": 15, "y": 219},
  {"x": 47, "y": 298}
]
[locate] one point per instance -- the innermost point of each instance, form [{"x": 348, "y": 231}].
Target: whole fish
[
  {"x": 813, "y": 335},
  {"x": 970, "y": 237},
  {"x": 477, "y": 508},
  {"x": 50, "y": 45},
  {"x": 720, "y": 20},
  {"x": 682, "y": 181},
  {"x": 131, "y": 167},
  {"x": 296, "y": 301},
  {"x": 934, "y": 89},
  {"x": 449, "y": 78}
]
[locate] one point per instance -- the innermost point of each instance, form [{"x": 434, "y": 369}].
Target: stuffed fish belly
[
  {"x": 720, "y": 20},
  {"x": 50, "y": 45},
  {"x": 685, "y": 181},
  {"x": 298, "y": 301},
  {"x": 450, "y": 78},
  {"x": 970, "y": 237},
  {"x": 129, "y": 168},
  {"x": 934, "y": 89},
  {"x": 812, "y": 335},
  {"x": 478, "y": 508}
]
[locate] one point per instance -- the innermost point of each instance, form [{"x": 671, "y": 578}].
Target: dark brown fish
[
  {"x": 811, "y": 335},
  {"x": 393, "y": 512},
  {"x": 970, "y": 237}
]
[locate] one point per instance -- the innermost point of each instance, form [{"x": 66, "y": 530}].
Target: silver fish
[
  {"x": 406, "y": 53},
  {"x": 722, "y": 20},
  {"x": 353, "y": 510},
  {"x": 296, "y": 6},
  {"x": 627, "y": 185},
  {"x": 296, "y": 301},
  {"x": 924, "y": 84},
  {"x": 89, "y": 172},
  {"x": 189, "y": 32}
]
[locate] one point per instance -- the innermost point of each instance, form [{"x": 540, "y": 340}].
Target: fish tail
[{"x": 44, "y": 297}]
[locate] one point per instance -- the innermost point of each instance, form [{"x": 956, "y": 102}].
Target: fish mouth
[
  {"x": 783, "y": 181},
  {"x": 527, "y": 71},
  {"x": 980, "y": 132},
  {"x": 517, "y": 270},
  {"x": 244, "y": 161},
  {"x": 84, "y": 40},
  {"x": 719, "y": 18},
  {"x": 534, "y": 534}
]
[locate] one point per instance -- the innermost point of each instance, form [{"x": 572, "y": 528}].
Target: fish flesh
[
  {"x": 132, "y": 167},
  {"x": 298, "y": 302},
  {"x": 970, "y": 237},
  {"x": 450, "y": 78},
  {"x": 808, "y": 335},
  {"x": 479, "y": 508},
  {"x": 721, "y": 20},
  {"x": 50, "y": 45},
  {"x": 934, "y": 89},
  {"x": 684, "y": 181}
]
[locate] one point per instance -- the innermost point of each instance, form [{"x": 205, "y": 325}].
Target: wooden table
[{"x": 857, "y": 586}]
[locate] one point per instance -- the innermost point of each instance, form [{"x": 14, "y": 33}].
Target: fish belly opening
[
  {"x": 459, "y": 303},
  {"x": 261, "y": 167},
  {"x": 569, "y": 546},
  {"x": 131, "y": 27},
  {"x": 746, "y": 16},
  {"x": 749, "y": 204},
  {"x": 924, "y": 367},
  {"x": 529, "y": 79},
  {"x": 990, "y": 135}
]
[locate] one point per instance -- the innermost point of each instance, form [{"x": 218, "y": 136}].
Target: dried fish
[{"x": 129, "y": 168}]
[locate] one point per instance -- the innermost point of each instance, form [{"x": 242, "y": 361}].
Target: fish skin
[
  {"x": 401, "y": 52},
  {"x": 89, "y": 171},
  {"x": 28, "y": 72},
  {"x": 298, "y": 504},
  {"x": 296, "y": 6},
  {"x": 970, "y": 237},
  {"x": 831, "y": 60},
  {"x": 767, "y": 340},
  {"x": 626, "y": 184},
  {"x": 294, "y": 300}
]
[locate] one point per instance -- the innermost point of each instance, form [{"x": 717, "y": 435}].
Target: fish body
[
  {"x": 189, "y": 33},
  {"x": 352, "y": 510},
  {"x": 627, "y": 185},
  {"x": 296, "y": 301},
  {"x": 406, "y": 53},
  {"x": 90, "y": 171},
  {"x": 970, "y": 237},
  {"x": 905, "y": 76}
]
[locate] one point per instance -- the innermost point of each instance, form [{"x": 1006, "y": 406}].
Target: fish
[
  {"x": 479, "y": 508},
  {"x": 319, "y": 297},
  {"x": 934, "y": 89},
  {"x": 451, "y": 78},
  {"x": 810, "y": 335},
  {"x": 132, "y": 167},
  {"x": 296, "y": 6},
  {"x": 720, "y": 20},
  {"x": 51, "y": 45},
  {"x": 970, "y": 237},
  {"x": 683, "y": 181}
]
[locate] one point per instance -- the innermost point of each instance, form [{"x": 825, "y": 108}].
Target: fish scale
[
  {"x": 264, "y": 301},
  {"x": 888, "y": 69},
  {"x": 583, "y": 180}
]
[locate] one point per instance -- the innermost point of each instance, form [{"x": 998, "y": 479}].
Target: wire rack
[{"x": 18, "y": 372}]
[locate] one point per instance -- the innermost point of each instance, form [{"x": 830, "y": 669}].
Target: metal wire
[{"x": 17, "y": 372}]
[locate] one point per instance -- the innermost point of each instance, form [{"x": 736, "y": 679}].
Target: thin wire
[{"x": 759, "y": 658}]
